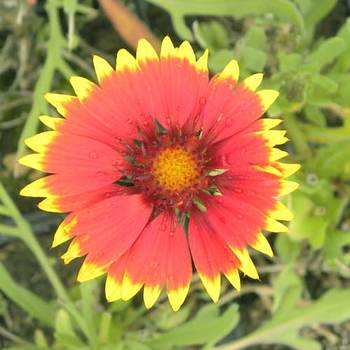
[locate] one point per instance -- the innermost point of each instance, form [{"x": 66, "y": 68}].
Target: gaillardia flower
[{"x": 159, "y": 166}]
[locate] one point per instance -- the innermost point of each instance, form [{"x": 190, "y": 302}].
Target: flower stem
[{"x": 26, "y": 234}]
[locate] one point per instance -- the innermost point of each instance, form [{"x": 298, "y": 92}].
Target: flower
[{"x": 158, "y": 165}]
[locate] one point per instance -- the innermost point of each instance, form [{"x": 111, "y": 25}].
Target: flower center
[{"x": 175, "y": 169}]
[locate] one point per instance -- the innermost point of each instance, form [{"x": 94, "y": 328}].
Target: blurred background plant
[{"x": 303, "y": 298}]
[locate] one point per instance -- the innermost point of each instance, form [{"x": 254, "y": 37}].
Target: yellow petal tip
[
  {"x": 253, "y": 81},
  {"x": 177, "y": 297},
  {"x": 231, "y": 71},
  {"x": 212, "y": 286},
  {"x": 151, "y": 295},
  {"x": 267, "y": 98},
  {"x": 113, "y": 289},
  {"x": 262, "y": 245},
  {"x": 102, "y": 68},
  {"x": 287, "y": 187},
  {"x": 89, "y": 271},
  {"x": 145, "y": 51},
  {"x": 247, "y": 266}
]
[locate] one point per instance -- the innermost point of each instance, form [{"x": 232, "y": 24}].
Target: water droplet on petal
[
  {"x": 202, "y": 100},
  {"x": 238, "y": 190},
  {"x": 222, "y": 219},
  {"x": 154, "y": 264},
  {"x": 229, "y": 121},
  {"x": 93, "y": 155},
  {"x": 239, "y": 216},
  {"x": 225, "y": 160},
  {"x": 171, "y": 279}
]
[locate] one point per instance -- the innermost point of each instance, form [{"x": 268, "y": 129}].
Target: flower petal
[
  {"x": 145, "y": 52},
  {"x": 253, "y": 81},
  {"x": 102, "y": 68},
  {"x": 211, "y": 255},
  {"x": 165, "y": 248},
  {"x": 120, "y": 221},
  {"x": 262, "y": 245},
  {"x": 231, "y": 71}
]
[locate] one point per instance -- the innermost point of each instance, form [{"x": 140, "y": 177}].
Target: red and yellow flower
[{"x": 158, "y": 166}]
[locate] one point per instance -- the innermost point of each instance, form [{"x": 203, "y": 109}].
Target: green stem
[
  {"x": 4, "y": 211},
  {"x": 14, "y": 338},
  {"x": 52, "y": 63},
  {"x": 24, "y": 231},
  {"x": 8, "y": 230},
  {"x": 297, "y": 136},
  {"x": 325, "y": 135},
  {"x": 27, "y": 235},
  {"x": 238, "y": 344}
]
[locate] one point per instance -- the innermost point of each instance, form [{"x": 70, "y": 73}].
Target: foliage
[{"x": 303, "y": 46}]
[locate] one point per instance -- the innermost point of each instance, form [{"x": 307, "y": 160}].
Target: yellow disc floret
[{"x": 175, "y": 169}]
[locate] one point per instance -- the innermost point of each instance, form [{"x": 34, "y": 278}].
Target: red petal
[
  {"x": 229, "y": 109},
  {"x": 108, "y": 228},
  {"x": 169, "y": 89},
  {"x": 163, "y": 246},
  {"x": 211, "y": 255},
  {"x": 64, "y": 204},
  {"x": 236, "y": 221},
  {"x": 80, "y": 122},
  {"x": 75, "y": 155},
  {"x": 241, "y": 149}
]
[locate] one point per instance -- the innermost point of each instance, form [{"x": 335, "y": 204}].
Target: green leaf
[
  {"x": 253, "y": 59},
  {"x": 135, "y": 345},
  {"x": 331, "y": 160},
  {"x": 27, "y": 300},
  {"x": 287, "y": 249},
  {"x": 335, "y": 243},
  {"x": 289, "y": 283},
  {"x": 219, "y": 59},
  {"x": 325, "y": 83},
  {"x": 343, "y": 94},
  {"x": 285, "y": 325},
  {"x": 314, "y": 115},
  {"x": 307, "y": 225},
  {"x": 206, "y": 327},
  {"x": 256, "y": 37},
  {"x": 212, "y": 35},
  {"x": 289, "y": 62},
  {"x": 283, "y": 10},
  {"x": 315, "y": 12},
  {"x": 64, "y": 331},
  {"x": 343, "y": 62},
  {"x": 166, "y": 319},
  {"x": 326, "y": 53}
]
